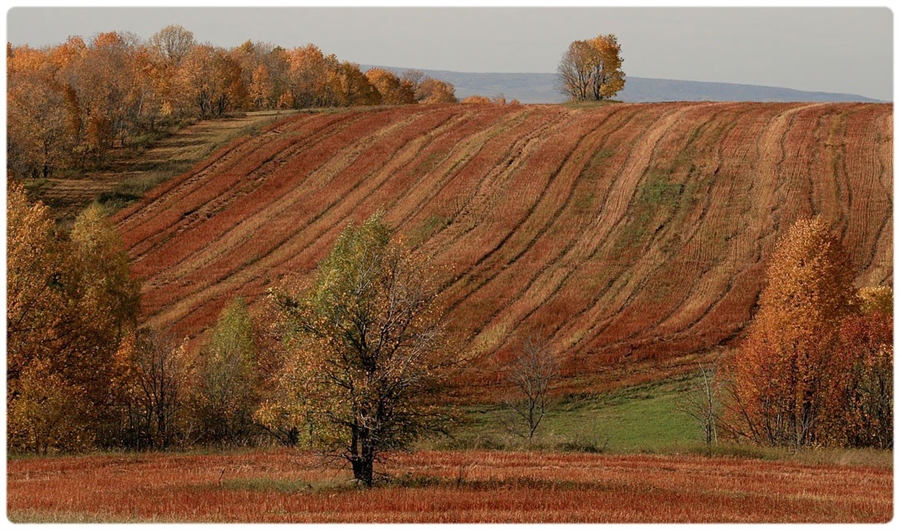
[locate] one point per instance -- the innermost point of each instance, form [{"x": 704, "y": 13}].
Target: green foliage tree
[
  {"x": 367, "y": 365},
  {"x": 225, "y": 397},
  {"x": 592, "y": 69}
]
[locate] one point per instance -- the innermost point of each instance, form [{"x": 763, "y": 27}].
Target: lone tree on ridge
[{"x": 591, "y": 70}]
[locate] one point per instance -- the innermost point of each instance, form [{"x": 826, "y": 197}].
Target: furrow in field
[
  {"x": 613, "y": 206},
  {"x": 300, "y": 253},
  {"x": 647, "y": 246},
  {"x": 518, "y": 187},
  {"x": 669, "y": 275},
  {"x": 248, "y": 223},
  {"x": 588, "y": 140},
  {"x": 189, "y": 195},
  {"x": 622, "y": 232},
  {"x": 258, "y": 236},
  {"x": 160, "y": 198}
]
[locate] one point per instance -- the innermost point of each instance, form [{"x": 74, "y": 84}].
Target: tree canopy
[
  {"x": 365, "y": 359},
  {"x": 591, "y": 70}
]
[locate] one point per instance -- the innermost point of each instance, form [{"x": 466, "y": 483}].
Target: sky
[{"x": 821, "y": 49}]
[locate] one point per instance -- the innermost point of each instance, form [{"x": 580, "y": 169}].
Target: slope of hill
[
  {"x": 623, "y": 232},
  {"x": 542, "y": 88}
]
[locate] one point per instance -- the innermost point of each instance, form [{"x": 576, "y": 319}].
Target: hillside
[
  {"x": 542, "y": 88},
  {"x": 624, "y": 232}
]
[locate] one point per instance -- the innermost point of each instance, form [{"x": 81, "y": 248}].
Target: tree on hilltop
[{"x": 591, "y": 70}]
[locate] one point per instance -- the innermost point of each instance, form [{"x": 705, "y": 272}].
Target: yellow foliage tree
[{"x": 592, "y": 69}]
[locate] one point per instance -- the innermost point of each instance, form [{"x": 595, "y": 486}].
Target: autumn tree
[
  {"x": 791, "y": 369},
  {"x": 531, "y": 372},
  {"x": 40, "y": 126},
  {"x": 70, "y": 105},
  {"x": 865, "y": 415},
  {"x": 153, "y": 371},
  {"x": 366, "y": 344},
  {"x": 435, "y": 91},
  {"x": 35, "y": 303},
  {"x": 392, "y": 90},
  {"x": 354, "y": 88},
  {"x": 70, "y": 302},
  {"x": 172, "y": 43},
  {"x": 592, "y": 69},
  {"x": 225, "y": 396}
]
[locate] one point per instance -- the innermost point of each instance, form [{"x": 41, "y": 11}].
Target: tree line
[{"x": 69, "y": 105}]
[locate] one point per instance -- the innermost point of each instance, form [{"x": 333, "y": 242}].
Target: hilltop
[
  {"x": 542, "y": 88},
  {"x": 624, "y": 232}
]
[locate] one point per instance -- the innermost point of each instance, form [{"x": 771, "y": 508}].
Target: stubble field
[
  {"x": 624, "y": 233},
  {"x": 446, "y": 486}
]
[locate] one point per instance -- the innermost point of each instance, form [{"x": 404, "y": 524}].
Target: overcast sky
[{"x": 824, "y": 49}]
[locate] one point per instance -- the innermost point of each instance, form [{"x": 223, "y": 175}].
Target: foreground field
[
  {"x": 477, "y": 486},
  {"x": 625, "y": 233}
]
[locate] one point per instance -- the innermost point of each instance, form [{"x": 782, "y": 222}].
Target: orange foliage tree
[
  {"x": 865, "y": 417},
  {"x": 791, "y": 381},
  {"x": 70, "y": 104},
  {"x": 393, "y": 91}
]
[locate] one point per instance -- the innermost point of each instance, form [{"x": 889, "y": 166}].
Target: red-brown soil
[
  {"x": 469, "y": 486},
  {"x": 626, "y": 233}
]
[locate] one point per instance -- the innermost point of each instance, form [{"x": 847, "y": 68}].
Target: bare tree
[
  {"x": 704, "y": 402},
  {"x": 154, "y": 369},
  {"x": 531, "y": 373}
]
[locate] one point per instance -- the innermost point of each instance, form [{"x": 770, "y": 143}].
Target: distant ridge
[{"x": 541, "y": 88}]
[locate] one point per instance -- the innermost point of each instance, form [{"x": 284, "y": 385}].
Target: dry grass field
[
  {"x": 626, "y": 233},
  {"x": 130, "y": 172},
  {"x": 427, "y": 486}
]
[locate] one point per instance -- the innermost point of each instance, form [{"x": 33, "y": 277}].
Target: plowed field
[{"x": 625, "y": 232}]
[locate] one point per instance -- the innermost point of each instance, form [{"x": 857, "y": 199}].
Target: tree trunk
[{"x": 363, "y": 456}]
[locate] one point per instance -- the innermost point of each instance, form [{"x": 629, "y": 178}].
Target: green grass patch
[
  {"x": 593, "y": 169},
  {"x": 428, "y": 228},
  {"x": 658, "y": 191},
  {"x": 657, "y": 202},
  {"x": 646, "y": 418}
]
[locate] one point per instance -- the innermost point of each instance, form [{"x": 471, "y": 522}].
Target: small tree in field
[
  {"x": 531, "y": 373},
  {"x": 790, "y": 373},
  {"x": 704, "y": 402},
  {"x": 365, "y": 339}
]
